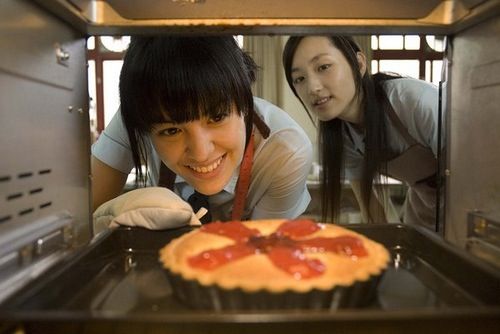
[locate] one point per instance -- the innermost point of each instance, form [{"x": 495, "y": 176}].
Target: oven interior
[{"x": 45, "y": 176}]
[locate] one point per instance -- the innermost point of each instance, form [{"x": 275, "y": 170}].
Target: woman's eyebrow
[{"x": 312, "y": 60}]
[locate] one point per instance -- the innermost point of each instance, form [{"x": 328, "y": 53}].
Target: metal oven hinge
[
  {"x": 483, "y": 236},
  {"x": 27, "y": 250}
]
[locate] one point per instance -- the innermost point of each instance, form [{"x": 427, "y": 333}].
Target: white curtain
[{"x": 266, "y": 51}]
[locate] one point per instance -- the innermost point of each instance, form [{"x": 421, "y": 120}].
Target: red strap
[{"x": 243, "y": 181}]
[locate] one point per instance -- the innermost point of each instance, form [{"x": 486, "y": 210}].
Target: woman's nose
[
  {"x": 314, "y": 84},
  {"x": 199, "y": 144}
]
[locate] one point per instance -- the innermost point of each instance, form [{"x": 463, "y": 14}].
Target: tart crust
[{"x": 256, "y": 272}]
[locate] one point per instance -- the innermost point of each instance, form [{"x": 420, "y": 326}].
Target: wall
[
  {"x": 474, "y": 122},
  {"x": 44, "y": 123}
]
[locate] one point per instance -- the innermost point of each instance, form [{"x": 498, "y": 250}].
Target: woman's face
[
  {"x": 324, "y": 81},
  {"x": 205, "y": 152}
]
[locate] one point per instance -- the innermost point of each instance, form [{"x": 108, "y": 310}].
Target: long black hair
[
  {"x": 330, "y": 135},
  {"x": 182, "y": 79}
]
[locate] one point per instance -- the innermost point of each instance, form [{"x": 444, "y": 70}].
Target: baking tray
[{"x": 116, "y": 285}]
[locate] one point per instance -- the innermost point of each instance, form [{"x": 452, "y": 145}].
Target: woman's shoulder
[
  {"x": 409, "y": 94},
  {"x": 416, "y": 104},
  {"x": 284, "y": 129},
  {"x": 408, "y": 87},
  {"x": 275, "y": 117},
  {"x": 286, "y": 138}
]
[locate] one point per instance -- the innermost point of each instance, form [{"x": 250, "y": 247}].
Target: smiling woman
[
  {"x": 205, "y": 152},
  {"x": 370, "y": 125},
  {"x": 187, "y": 105}
]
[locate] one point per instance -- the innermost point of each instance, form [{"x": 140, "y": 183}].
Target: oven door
[{"x": 118, "y": 283}]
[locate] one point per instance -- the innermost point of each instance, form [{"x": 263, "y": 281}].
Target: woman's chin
[
  {"x": 209, "y": 183},
  {"x": 209, "y": 189}
]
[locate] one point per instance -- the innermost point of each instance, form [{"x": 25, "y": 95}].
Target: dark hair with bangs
[
  {"x": 374, "y": 103},
  {"x": 181, "y": 79}
]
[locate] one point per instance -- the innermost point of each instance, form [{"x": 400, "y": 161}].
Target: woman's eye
[
  {"x": 297, "y": 80},
  {"x": 323, "y": 67},
  {"x": 219, "y": 118},
  {"x": 169, "y": 132}
]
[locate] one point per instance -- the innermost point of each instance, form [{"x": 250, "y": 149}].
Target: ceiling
[{"x": 109, "y": 17}]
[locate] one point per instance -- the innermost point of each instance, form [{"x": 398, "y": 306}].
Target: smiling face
[
  {"x": 324, "y": 81},
  {"x": 204, "y": 152}
]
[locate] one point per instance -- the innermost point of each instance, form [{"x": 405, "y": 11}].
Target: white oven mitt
[{"x": 154, "y": 208}]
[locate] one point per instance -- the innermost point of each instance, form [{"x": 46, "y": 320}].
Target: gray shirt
[{"x": 416, "y": 104}]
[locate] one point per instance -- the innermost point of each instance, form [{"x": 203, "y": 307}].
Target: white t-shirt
[
  {"x": 281, "y": 164},
  {"x": 416, "y": 104}
]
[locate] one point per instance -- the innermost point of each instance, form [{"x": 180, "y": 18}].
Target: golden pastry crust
[{"x": 256, "y": 272}]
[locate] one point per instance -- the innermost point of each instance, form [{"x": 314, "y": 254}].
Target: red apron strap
[{"x": 243, "y": 181}]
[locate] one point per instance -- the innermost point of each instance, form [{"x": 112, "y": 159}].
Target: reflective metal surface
[
  {"x": 120, "y": 279},
  {"x": 99, "y": 17},
  {"x": 44, "y": 142}
]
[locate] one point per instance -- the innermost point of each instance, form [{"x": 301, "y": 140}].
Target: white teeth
[
  {"x": 207, "y": 169},
  {"x": 321, "y": 101}
]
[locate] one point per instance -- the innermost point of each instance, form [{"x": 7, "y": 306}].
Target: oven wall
[
  {"x": 473, "y": 126},
  {"x": 44, "y": 122}
]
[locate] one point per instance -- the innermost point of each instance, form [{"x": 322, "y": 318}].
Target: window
[
  {"x": 417, "y": 56},
  {"x": 105, "y": 54}
]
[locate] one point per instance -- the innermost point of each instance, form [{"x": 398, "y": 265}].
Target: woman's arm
[{"x": 107, "y": 182}]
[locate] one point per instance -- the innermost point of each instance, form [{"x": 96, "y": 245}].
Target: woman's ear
[{"x": 361, "y": 62}]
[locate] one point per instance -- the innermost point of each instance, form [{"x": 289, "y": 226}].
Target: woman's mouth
[
  {"x": 207, "y": 168},
  {"x": 321, "y": 101}
]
